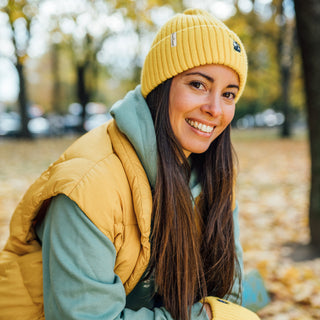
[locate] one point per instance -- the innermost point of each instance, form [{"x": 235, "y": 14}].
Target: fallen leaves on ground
[
  {"x": 21, "y": 162},
  {"x": 272, "y": 192}
]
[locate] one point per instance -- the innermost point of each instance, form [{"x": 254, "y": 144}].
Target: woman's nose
[{"x": 213, "y": 107}]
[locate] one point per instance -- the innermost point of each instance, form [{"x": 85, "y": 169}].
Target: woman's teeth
[{"x": 200, "y": 126}]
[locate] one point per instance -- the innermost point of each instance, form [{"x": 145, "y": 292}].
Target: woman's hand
[{"x": 208, "y": 310}]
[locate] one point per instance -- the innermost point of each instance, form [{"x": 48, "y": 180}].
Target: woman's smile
[{"x": 200, "y": 126}]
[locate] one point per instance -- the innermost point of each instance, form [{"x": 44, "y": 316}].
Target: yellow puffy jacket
[{"x": 110, "y": 176}]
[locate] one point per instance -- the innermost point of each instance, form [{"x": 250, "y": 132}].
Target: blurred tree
[
  {"x": 86, "y": 74},
  {"x": 308, "y": 28},
  {"x": 79, "y": 34},
  {"x": 286, "y": 50},
  {"x": 268, "y": 35},
  {"x": 56, "y": 86},
  {"x": 139, "y": 13},
  {"x": 258, "y": 35},
  {"x": 20, "y": 14},
  {"x": 51, "y": 79}
]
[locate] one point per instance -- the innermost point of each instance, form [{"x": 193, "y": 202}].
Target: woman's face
[{"x": 201, "y": 105}]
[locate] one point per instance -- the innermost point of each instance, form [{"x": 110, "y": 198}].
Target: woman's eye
[
  {"x": 229, "y": 95},
  {"x": 197, "y": 84}
]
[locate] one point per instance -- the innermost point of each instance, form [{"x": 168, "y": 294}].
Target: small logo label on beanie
[
  {"x": 236, "y": 46},
  {"x": 173, "y": 39}
]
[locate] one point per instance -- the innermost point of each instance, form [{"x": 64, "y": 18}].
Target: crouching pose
[{"x": 138, "y": 218}]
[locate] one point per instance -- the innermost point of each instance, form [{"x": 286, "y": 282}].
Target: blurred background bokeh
[{"x": 63, "y": 63}]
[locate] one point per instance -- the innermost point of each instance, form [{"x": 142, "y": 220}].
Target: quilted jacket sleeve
[{"x": 78, "y": 264}]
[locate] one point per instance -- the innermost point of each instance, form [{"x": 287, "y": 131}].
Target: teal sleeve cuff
[
  {"x": 78, "y": 263},
  {"x": 255, "y": 294}
]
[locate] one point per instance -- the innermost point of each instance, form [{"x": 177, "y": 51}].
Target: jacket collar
[{"x": 134, "y": 120}]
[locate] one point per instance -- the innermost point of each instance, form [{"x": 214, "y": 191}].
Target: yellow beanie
[{"x": 188, "y": 40}]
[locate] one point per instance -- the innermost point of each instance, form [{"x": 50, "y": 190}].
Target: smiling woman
[{"x": 138, "y": 218}]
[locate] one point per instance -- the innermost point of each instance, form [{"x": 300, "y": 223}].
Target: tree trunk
[
  {"x": 286, "y": 128},
  {"x": 83, "y": 94},
  {"x": 308, "y": 28},
  {"x": 23, "y": 102},
  {"x": 286, "y": 47}
]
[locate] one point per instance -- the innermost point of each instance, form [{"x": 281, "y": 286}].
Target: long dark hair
[{"x": 193, "y": 248}]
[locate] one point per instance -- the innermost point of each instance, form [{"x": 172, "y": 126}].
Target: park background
[{"x": 64, "y": 63}]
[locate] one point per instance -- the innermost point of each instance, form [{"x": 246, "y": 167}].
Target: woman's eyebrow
[
  {"x": 210, "y": 78},
  {"x": 200, "y": 74},
  {"x": 233, "y": 86}
]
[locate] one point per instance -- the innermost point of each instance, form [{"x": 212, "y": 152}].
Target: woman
[{"x": 137, "y": 219}]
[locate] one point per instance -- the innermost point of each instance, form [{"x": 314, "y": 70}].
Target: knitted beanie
[
  {"x": 188, "y": 40},
  {"x": 226, "y": 310}
]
